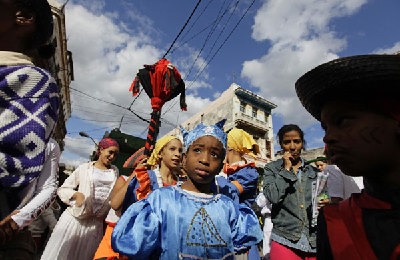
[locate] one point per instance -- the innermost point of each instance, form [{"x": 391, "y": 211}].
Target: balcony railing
[{"x": 242, "y": 118}]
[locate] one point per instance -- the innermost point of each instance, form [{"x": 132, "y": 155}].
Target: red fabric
[
  {"x": 160, "y": 79},
  {"x": 234, "y": 168},
  {"x": 106, "y": 143},
  {"x": 396, "y": 253},
  {"x": 136, "y": 157},
  {"x": 279, "y": 252},
  {"x": 346, "y": 232},
  {"x": 144, "y": 188},
  {"x": 134, "y": 87}
]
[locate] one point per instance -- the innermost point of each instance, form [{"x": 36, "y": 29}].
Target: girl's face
[
  {"x": 292, "y": 142},
  {"x": 232, "y": 156},
  {"x": 321, "y": 165},
  {"x": 171, "y": 154},
  {"x": 361, "y": 141},
  {"x": 203, "y": 159},
  {"x": 108, "y": 155}
]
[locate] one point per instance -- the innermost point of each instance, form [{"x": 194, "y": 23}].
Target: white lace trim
[{"x": 197, "y": 196}]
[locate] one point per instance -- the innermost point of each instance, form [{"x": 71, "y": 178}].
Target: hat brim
[{"x": 362, "y": 76}]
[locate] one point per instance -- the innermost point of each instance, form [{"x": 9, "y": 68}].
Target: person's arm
[
  {"x": 67, "y": 191},
  {"x": 46, "y": 190},
  {"x": 137, "y": 233},
  {"x": 245, "y": 227},
  {"x": 121, "y": 186},
  {"x": 276, "y": 182},
  {"x": 119, "y": 191},
  {"x": 245, "y": 180}
]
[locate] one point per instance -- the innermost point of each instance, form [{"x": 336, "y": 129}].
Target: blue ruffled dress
[{"x": 172, "y": 223}]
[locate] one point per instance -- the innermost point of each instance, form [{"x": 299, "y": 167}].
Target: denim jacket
[{"x": 291, "y": 200}]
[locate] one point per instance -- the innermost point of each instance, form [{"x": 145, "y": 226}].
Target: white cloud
[
  {"x": 73, "y": 162},
  {"x": 301, "y": 39},
  {"x": 394, "y": 49},
  {"x": 79, "y": 146},
  {"x": 107, "y": 54}
]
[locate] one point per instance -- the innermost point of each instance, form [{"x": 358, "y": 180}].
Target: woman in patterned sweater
[{"x": 28, "y": 113}]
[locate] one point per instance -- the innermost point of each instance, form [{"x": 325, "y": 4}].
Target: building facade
[
  {"x": 242, "y": 109},
  {"x": 61, "y": 67}
]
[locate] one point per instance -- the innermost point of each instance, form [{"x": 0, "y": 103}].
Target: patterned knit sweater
[{"x": 29, "y": 105}]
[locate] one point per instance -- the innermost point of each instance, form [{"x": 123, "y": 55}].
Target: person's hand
[
  {"x": 79, "y": 198},
  {"x": 8, "y": 228},
  {"x": 287, "y": 160},
  {"x": 142, "y": 163},
  {"x": 323, "y": 203}
]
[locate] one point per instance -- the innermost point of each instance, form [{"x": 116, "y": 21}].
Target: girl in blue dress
[{"x": 189, "y": 221}]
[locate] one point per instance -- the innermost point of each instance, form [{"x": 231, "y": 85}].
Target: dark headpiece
[{"x": 361, "y": 76}]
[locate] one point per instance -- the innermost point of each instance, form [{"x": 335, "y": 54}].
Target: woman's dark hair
[
  {"x": 288, "y": 128},
  {"x": 43, "y": 20}
]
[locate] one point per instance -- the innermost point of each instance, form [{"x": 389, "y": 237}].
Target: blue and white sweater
[{"x": 29, "y": 104}]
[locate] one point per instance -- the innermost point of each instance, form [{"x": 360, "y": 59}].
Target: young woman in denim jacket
[{"x": 288, "y": 185}]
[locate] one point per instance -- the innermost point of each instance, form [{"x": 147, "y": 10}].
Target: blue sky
[{"x": 276, "y": 42}]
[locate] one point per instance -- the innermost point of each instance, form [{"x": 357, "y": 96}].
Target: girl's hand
[
  {"x": 8, "y": 228},
  {"x": 322, "y": 203},
  {"x": 142, "y": 163},
  {"x": 287, "y": 160},
  {"x": 79, "y": 198}
]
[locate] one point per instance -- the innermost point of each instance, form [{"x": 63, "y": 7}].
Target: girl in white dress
[{"x": 80, "y": 228}]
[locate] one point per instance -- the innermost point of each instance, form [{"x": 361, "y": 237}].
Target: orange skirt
[{"x": 104, "y": 251}]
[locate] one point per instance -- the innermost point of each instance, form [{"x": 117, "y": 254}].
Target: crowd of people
[{"x": 218, "y": 212}]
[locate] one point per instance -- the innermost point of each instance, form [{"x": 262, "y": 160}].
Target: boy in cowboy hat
[{"x": 357, "y": 101}]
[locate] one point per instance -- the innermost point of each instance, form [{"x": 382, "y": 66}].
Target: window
[
  {"x": 265, "y": 116},
  {"x": 254, "y": 112},
  {"x": 243, "y": 107}
]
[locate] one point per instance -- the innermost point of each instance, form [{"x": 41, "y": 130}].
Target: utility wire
[
  {"x": 133, "y": 101},
  {"x": 96, "y": 120},
  {"x": 130, "y": 110},
  {"x": 226, "y": 39},
  {"x": 187, "y": 21},
  {"x": 222, "y": 30},
  {"x": 191, "y": 27},
  {"x": 111, "y": 103},
  {"x": 210, "y": 33},
  {"x": 100, "y": 128},
  {"x": 193, "y": 36}
]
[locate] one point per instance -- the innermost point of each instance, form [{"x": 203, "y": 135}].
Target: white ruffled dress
[{"x": 80, "y": 229}]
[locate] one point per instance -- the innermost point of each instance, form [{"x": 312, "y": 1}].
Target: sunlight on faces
[
  {"x": 203, "y": 159},
  {"x": 292, "y": 142},
  {"x": 361, "y": 141},
  {"x": 108, "y": 155},
  {"x": 171, "y": 154}
]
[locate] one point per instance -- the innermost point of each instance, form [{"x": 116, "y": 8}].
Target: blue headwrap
[{"x": 202, "y": 130}]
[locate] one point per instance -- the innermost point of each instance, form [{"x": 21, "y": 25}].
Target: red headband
[{"x": 107, "y": 142}]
